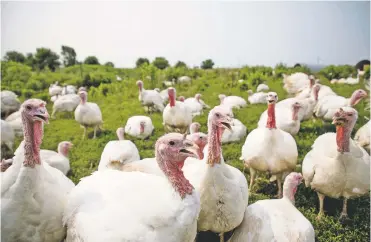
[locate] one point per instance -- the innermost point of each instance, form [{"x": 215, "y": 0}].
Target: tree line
[{"x": 46, "y": 58}]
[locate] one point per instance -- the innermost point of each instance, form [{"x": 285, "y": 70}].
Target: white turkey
[
  {"x": 33, "y": 194},
  {"x": 7, "y": 135},
  {"x": 306, "y": 91},
  {"x": 68, "y": 89},
  {"x": 9, "y": 102},
  {"x": 164, "y": 95},
  {"x": 328, "y": 105},
  {"x": 159, "y": 208},
  {"x": 325, "y": 91},
  {"x": 55, "y": 89},
  {"x": 294, "y": 83},
  {"x": 184, "y": 79},
  {"x": 287, "y": 118},
  {"x": 262, "y": 87},
  {"x": 362, "y": 136},
  {"x": 118, "y": 152},
  {"x": 337, "y": 166},
  {"x": 276, "y": 219},
  {"x": 256, "y": 98},
  {"x": 66, "y": 103},
  {"x": 199, "y": 138},
  {"x": 140, "y": 127},
  {"x": 150, "y": 99},
  {"x": 270, "y": 149},
  {"x": 194, "y": 104},
  {"x": 232, "y": 101},
  {"x": 176, "y": 116},
  {"x": 237, "y": 132},
  {"x": 223, "y": 189},
  {"x": 15, "y": 120},
  {"x": 59, "y": 160},
  {"x": 88, "y": 114}
]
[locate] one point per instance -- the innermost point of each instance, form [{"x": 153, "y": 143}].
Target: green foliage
[
  {"x": 46, "y": 58},
  {"x": 31, "y": 61},
  {"x": 207, "y": 64},
  {"x": 367, "y": 72},
  {"x": 14, "y": 56},
  {"x": 180, "y": 64},
  {"x": 69, "y": 56},
  {"x": 141, "y": 61},
  {"x": 119, "y": 101},
  {"x": 160, "y": 62},
  {"x": 337, "y": 72},
  {"x": 109, "y": 63},
  {"x": 91, "y": 60}
]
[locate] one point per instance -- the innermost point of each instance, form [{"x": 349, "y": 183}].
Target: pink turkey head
[
  {"x": 120, "y": 133},
  {"x": 198, "y": 97},
  {"x": 181, "y": 98},
  {"x": 344, "y": 119},
  {"x": 83, "y": 96},
  {"x": 64, "y": 147},
  {"x": 82, "y": 89},
  {"x": 171, "y": 93},
  {"x": 357, "y": 96},
  {"x": 221, "y": 117},
  {"x": 194, "y": 127},
  {"x": 140, "y": 85},
  {"x": 272, "y": 98},
  {"x": 142, "y": 126},
  {"x": 292, "y": 181},
  {"x": 35, "y": 110},
  {"x": 311, "y": 81},
  {"x": 200, "y": 139},
  {"x": 295, "y": 109},
  {"x": 315, "y": 90}
]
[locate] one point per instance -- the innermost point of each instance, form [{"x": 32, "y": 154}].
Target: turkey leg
[{"x": 321, "y": 198}]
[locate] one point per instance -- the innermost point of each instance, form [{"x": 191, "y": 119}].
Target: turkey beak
[
  {"x": 190, "y": 149},
  {"x": 338, "y": 121},
  {"x": 42, "y": 115},
  {"x": 227, "y": 122}
]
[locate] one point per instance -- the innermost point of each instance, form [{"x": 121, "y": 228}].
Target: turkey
[
  {"x": 176, "y": 116},
  {"x": 308, "y": 104},
  {"x": 9, "y": 102},
  {"x": 199, "y": 138},
  {"x": 55, "y": 90},
  {"x": 184, "y": 79},
  {"x": 66, "y": 103},
  {"x": 276, "y": 219},
  {"x": 256, "y": 98},
  {"x": 7, "y": 135},
  {"x": 15, "y": 120},
  {"x": 159, "y": 208},
  {"x": 5, "y": 164},
  {"x": 262, "y": 87},
  {"x": 294, "y": 83},
  {"x": 68, "y": 89},
  {"x": 223, "y": 189},
  {"x": 33, "y": 194},
  {"x": 140, "y": 127},
  {"x": 163, "y": 94},
  {"x": 362, "y": 137},
  {"x": 150, "y": 99},
  {"x": 287, "y": 118},
  {"x": 325, "y": 91},
  {"x": 181, "y": 99},
  {"x": 118, "y": 152},
  {"x": 58, "y": 160},
  {"x": 237, "y": 132},
  {"x": 337, "y": 166},
  {"x": 194, "y": 104},
  {"x": 88, "y": 114},
  {"x": 270, "y": 149},
  {"x": 232, "y": 101},
  {"x": 327, "y": 106},
  {"x": 306, "y": 91}
]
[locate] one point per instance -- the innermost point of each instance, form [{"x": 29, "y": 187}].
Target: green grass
[{"x": 119, "y": 100}]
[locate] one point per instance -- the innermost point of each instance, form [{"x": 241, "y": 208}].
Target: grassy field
[{"x": 118, "y": 101}]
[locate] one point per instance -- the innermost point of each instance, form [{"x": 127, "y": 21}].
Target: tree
[
  {"x": 14, "y": 56},
  {"x": 207, "y": 64},
  {"x": 91, "y": 60},
  {"x": 31, "y": 61},
  {"x": 69, "y": 56},
  {"x": 141, "y": 61},
  {"x": 180, "y": 64},
  {"x": 45, "y": 57},
  {"x": 109, "y": 63},
  {"x": 160, "y": 62}
]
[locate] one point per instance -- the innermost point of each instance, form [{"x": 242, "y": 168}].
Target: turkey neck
[
  {"x": 174, "y": 173},
  {"x": 172, "y": 100},
  {"x": 215, "y": 144},
  {"x": 63, "y": 151},
  {"x": 271, "y": 121},
  {"x": 84, "y": 98},
  {"x": 343, "y": 138},
  {"x": 33, "y": 133},
  {"x": 295, "y": 114},
  {"x": 289, "y": 191}
]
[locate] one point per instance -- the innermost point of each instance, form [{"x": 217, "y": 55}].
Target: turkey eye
[
  {"x": 171, "y": 143},
  {"x": 217, "y": 114},
  {"x": 349, "y": 114},
  {"x": 28, "y": 107}
]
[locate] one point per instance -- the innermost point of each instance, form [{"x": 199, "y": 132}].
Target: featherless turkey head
[
  {"x": 200, "y": 139},
  {"x": 82, "y": 89},
  {"x": 181, "y": 98},
  {"x": 35, "y": 110},
  {"x": 315, "y": 91},
  {"x": 142, "y": 126},
  {"x": 194, "y": 127},
  {"x": 120, "y": 133},
  {"x": 292, "y": 181},
  {"x": 345, "y": 116},
  {"x": 221, "y": 117},
  {"x": 140, "y": 85},
  {"x": 357, "y": 96},
  {"x": 175, "y": 147},
  {"x": 64, "y": 147},
  {"x": 272, "y": 97},
  {"x": 83, "y": 96},
  {"x": 311, "y": 81},
  {"x": 296, "y": 106},
  {"x": 198, "y": 97}
]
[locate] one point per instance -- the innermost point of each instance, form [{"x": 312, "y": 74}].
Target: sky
[{"x": 232, "y": 34}]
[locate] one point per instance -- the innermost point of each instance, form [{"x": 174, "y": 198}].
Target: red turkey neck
[
  {"x": 173, "y": 171},
  {"x": 172, "y": 100},
  {"x": 342, "y": 138},
  {"x": 271, "y": 121},
  {"x": 215, "y": 144},
  {"x": 33, "y": 133}
]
